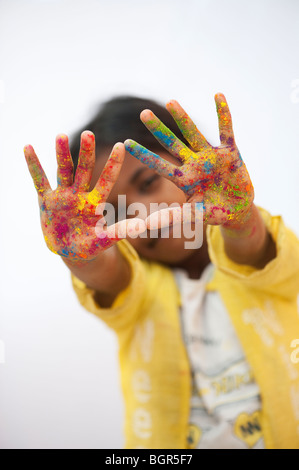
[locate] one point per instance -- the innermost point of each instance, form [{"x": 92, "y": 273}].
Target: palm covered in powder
[
  {"x": 214, "y": 176},
  {"x": 70, "y": 222}
]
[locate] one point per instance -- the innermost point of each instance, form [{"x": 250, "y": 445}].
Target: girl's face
[{"x": 141, "y": 184}]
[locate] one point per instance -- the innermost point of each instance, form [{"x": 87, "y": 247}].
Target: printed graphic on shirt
[
  {"x": 264, "y": 321},
  {"x": 193, "y": 436},
  {"x": 231, "y": 382},
  {"x": 248, "y": 428},
  {"x": 225, "y": 404},
  {"x": 227, "y": 416}
]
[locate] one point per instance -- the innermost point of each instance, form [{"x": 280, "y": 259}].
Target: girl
[{"x": 204, "y": 333}]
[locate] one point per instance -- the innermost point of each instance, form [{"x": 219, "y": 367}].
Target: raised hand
[
  {"x": 70, "y": 225},
  {"x": 214, "y": 176}
]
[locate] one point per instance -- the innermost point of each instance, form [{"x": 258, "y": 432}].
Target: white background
[{"x": 59, "y": 385}]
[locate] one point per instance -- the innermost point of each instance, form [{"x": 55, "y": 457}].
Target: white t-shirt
[{"x": 225, "y": 403}]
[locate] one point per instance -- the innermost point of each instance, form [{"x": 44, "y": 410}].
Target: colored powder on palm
[{"x": 61, "y": 230}]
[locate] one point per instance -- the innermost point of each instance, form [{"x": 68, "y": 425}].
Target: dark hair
[{"x": 119, "y": 119}]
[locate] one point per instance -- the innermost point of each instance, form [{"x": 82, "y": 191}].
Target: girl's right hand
[{"x": 69, "y": 222}]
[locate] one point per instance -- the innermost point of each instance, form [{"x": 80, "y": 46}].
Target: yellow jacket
[{"x": 155, "y": 371}]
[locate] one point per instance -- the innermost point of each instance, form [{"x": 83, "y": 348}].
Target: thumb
[
  {"x": 186, "y": 213},
  {"x": 129, "y": 228}
]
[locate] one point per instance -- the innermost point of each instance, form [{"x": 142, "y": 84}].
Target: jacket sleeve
[
  {"x": 279, "y": 277},
  {"x": 127, "y": 304}
]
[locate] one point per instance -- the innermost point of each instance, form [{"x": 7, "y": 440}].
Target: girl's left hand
[{"x": 214, "y": 176}]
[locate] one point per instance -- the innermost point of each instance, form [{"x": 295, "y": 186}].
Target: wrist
[
  {"x": 249, "y": 242},
  {"x": 245, "y": 226},
  {"x": 77, "y": 262}
]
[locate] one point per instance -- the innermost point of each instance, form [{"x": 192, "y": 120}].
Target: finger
[
  {"x": 164, "y": 218},
  {"x": 164, "y": 136},
  {"x": 187, "y": 127},
  {"x": 152, "y": 160},
  {"x": 126, "y": 228},
  {"x": 224, "y": 120},
  {"x": 38, "y": 175},
  {"x": 109, "y": 174},
  {"x": 65, "y": 170},
  {"x": 86, "y": 162},
  {"x": 186, "y": 213}
]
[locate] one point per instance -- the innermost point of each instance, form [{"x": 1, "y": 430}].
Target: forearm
[
  {"x": 249, "y": 242},
  {"x": 107, "y": 274}
]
